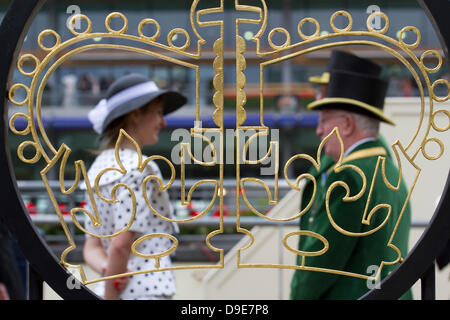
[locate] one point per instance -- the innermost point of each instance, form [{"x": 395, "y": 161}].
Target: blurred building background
[{"x": 76, "y": 86}]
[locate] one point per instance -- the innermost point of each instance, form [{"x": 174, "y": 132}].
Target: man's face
[{"x": 328, "y": 120}]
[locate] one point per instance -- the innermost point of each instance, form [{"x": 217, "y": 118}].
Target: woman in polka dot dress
[{"x": 138, "y": 106}]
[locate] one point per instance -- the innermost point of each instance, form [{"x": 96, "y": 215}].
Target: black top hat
[
  {"x": 355, "y": 86},
  {"x": 346, "y": 61},
  {"x": 128, "y": 93},
  {"x": 342, "y": 60}
]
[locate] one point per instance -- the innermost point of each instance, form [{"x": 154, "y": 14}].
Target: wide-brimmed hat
[
  {"x": 129, "y": 93},
  {"x": 355, "y": 85}
]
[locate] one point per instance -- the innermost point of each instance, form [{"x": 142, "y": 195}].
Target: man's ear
[{"x": 349, "y": 125}]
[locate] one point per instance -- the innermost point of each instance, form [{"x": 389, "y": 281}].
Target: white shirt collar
[{"x": 358, "y": 143}]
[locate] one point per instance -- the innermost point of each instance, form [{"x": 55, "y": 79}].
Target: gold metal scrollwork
[
  {"x": 56, "y": 55},
  {"x": 406, "y": 152}
]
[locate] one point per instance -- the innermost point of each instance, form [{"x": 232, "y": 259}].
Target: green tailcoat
[{"x": 361, "y": 255}]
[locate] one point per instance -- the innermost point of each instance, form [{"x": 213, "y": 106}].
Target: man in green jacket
[{"x": 357, "y": 227}]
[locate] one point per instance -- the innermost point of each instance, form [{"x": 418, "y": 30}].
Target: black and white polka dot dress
[{"x": 119, "y": 215}]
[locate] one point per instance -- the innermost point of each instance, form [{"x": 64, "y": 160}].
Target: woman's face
[{"x": 148, "y": 122}]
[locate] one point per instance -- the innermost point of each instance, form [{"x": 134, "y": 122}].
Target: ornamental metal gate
[{"x": 418, "y": 264}]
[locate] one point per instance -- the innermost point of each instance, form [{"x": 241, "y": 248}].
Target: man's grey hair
[{"x": 368, "y": 125}]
